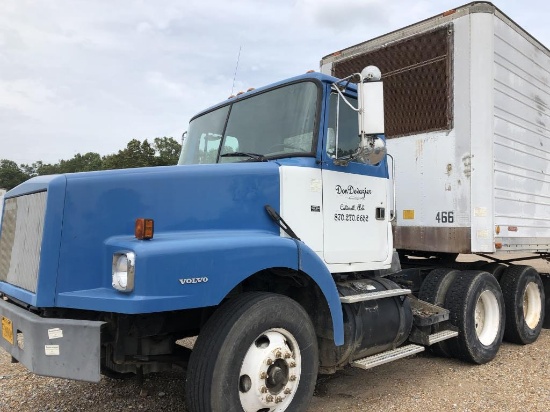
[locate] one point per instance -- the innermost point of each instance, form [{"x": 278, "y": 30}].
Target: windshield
[{"x": 277, "y": 123}]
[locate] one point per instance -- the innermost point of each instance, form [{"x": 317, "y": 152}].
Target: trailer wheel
[
  {"x": 433, "y": 290},
  {"x": 495, "y": 269},
  {"x": 258, "y": 352},
  {"x": 477, "y": 308},
  {"x": 524, "y": 299}
]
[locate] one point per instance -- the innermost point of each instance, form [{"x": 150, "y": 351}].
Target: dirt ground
[{"x": 517, "y": 380}]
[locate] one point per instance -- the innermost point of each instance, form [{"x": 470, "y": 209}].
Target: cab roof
[{"x": 312, "y": 76}]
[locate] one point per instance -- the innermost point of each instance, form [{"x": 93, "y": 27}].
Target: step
[
  {"x": 425, "y": 314},
  {"x": 374, "y": 295},
  {"x": 388, "y": 356},
  {"x": 422, "y": 338},
  {"x": 443, "y": 335}
]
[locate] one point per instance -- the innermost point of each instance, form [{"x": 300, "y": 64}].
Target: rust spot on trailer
[
  {"x": 467, "y": 163},
  {"x": 433, "y": 239},
  {"x": 419, "y": 148}
]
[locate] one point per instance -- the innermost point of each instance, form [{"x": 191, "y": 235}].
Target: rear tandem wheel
[
  {"x": 476, "y": 306},
  {"x": 433, "y": 290},
  {"x": 524, "y": 298}
]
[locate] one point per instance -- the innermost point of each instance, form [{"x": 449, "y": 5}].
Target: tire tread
[
  {"x": 433, "y": 290},
  {"x": 510, "y": 283},
  {"x": 457, "y": 301},
  {"x": 209, "y": 345}
]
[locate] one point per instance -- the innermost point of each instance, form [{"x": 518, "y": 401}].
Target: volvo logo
[{"x": 185, "y": 281}]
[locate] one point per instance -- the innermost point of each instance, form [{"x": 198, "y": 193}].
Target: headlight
[{"x": 123, "y": 271}]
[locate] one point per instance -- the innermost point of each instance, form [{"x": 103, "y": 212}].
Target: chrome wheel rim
[
  {"x": 270, "y": 372},
  {"x": 532, "y": 306},
  {"x": 487, "y": 318}
]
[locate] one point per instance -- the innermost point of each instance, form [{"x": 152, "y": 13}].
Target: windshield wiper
[{"x": 255, "y": 156}]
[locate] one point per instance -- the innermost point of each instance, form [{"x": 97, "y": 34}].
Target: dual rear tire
[
  {"x": 476, "y": 306},
  {"x": 524, "y": 299},
  {"x": 487, "y": 307}
]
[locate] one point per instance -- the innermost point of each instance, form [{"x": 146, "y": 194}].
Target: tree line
[{"x": 164, "y": 151}]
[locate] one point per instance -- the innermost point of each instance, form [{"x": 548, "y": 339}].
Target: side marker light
[{"x": 144, "y": 229}]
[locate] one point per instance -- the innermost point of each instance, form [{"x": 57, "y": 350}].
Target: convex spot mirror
[{"x": 371, "y": 150}]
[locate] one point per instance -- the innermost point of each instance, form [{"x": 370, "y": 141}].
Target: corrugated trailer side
[
  {"x": 521, "y": 139},
  {"x": 469, "y": 176}
]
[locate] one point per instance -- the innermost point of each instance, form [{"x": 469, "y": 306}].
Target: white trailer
[{"x": 467, "y": 103}]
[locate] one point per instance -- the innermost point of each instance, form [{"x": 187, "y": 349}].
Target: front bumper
[{"x": 62, "y": 348}]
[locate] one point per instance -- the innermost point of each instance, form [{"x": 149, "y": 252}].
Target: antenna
[{"x": 236, "y": 67}]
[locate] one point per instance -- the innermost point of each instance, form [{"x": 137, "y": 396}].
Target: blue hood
[{"x": 85, "y": 210}]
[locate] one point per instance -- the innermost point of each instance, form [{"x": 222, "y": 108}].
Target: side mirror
[
  {"x": 371, "y": 102},
  {"x": 372, "y": 148}
]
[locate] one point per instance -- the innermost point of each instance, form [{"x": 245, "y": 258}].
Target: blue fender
[
  {"x": 224, "y": 258},
  {"x": 312, "y": 264}
]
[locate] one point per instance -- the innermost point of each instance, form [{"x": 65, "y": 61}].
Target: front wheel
[{"x": 258, "y": 352}]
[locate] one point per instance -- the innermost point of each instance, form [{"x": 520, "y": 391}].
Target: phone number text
[{"x": 350, "y": 217}]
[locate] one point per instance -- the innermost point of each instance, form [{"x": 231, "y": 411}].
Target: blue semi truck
[{"x": 272, "y": 241}]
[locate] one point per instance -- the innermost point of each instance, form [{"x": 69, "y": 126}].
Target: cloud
[
  {"x": 344, "y": 16},
  {"x": 78, "y": 76}
]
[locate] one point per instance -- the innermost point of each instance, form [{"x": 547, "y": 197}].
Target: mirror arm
[{"x": 393, "y": 213}]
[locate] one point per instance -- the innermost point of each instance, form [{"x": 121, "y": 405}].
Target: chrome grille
[{"x": 21, "y": 240}]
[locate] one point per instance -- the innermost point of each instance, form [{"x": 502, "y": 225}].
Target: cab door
[{"x": 355, "y": 196}]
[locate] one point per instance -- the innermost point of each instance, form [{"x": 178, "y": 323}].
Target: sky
[{"x": 88, "y": 76}]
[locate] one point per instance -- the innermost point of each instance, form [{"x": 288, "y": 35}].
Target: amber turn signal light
[{"x": 144, "y": 229}]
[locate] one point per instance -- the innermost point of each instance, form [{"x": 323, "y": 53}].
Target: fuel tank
[{"x": 371, "y": 326}]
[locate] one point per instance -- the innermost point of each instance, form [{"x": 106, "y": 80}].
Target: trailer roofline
[{"x": 429, "y": 24}]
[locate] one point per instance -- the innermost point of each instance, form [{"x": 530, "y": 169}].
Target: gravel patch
[{"x": 517, "y": 380}]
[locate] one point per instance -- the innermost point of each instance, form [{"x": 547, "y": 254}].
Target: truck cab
[{"x": 338, "y": 209}]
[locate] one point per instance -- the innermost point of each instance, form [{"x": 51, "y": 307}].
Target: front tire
[
  {"x": 476, "y": 307},
  {"x": 524, "y": 298},
  {"x": 258, "y": 352}
]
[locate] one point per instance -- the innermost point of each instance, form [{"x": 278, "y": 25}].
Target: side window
[{"x": 343, "y": 127}]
